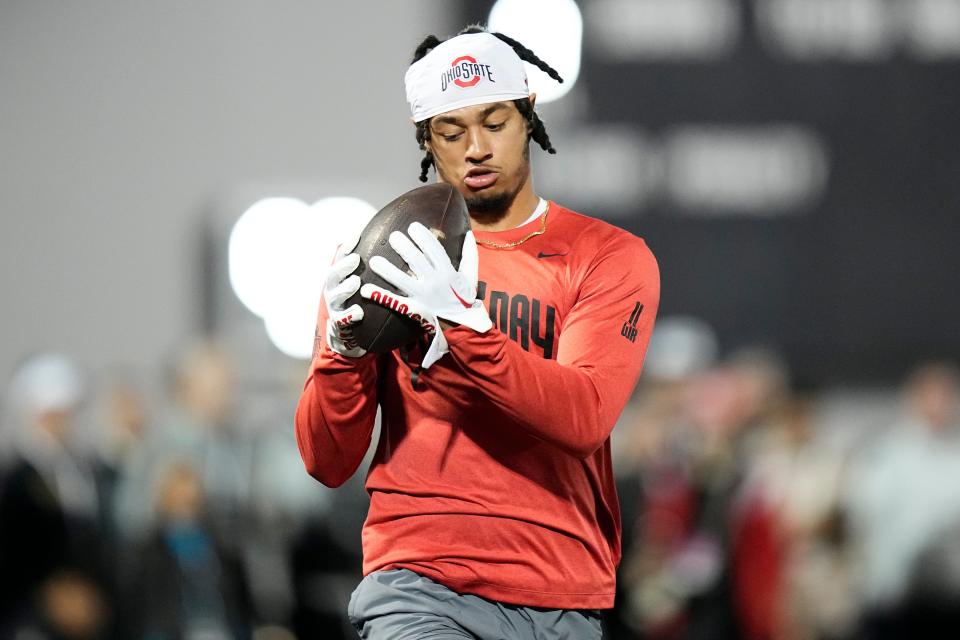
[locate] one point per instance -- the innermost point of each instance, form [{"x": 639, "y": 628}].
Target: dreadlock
[{"x": 536, "y": 131}]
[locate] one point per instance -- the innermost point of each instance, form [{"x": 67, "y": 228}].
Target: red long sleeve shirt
[{"x": 492, "y": 475}]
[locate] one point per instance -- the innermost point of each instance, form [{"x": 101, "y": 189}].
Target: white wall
[{"x": 121, "y": 123}]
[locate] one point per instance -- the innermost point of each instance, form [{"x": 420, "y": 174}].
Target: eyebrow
[{"x": 459, "y": 123}]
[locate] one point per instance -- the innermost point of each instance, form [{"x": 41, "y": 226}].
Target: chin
[{"x": 489, "y": 204}]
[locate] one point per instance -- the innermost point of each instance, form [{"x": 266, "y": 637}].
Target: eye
[
  {"x": 450, "y": 137},
  {"x": 495, "y": 127}
]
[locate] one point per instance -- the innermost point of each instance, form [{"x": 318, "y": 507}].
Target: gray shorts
[{"x": 403, "y": 605}]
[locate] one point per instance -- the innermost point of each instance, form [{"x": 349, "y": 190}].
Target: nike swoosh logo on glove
[{"x": 466, "y": 305}]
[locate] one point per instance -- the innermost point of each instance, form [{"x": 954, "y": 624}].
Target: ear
[{"x": 533, "y": 98}]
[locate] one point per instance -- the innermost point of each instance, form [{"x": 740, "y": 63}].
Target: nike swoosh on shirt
[
  {"x": 466, "y": 305},
  {"x": 550, "y": 255}
]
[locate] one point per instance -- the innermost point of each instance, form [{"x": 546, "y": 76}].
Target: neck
[{"x": 517, "y": 212}]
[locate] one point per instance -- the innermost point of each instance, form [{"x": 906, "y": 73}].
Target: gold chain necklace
[{"x": 511, "y": 245}]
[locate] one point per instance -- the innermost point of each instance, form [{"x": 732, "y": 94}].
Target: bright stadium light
[
  {"x": 256, "y": 245},
  {"x": 293, "y": 332},
  {"x": 553, "y": 29},
  {"x": 279, "y": 253}
]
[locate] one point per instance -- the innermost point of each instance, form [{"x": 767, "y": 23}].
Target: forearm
[
  {"x": 335, "y": 416},
  {"x": 572, "y": 407}
]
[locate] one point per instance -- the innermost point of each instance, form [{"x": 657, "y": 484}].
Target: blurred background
[{"x": 174, "y": 177}]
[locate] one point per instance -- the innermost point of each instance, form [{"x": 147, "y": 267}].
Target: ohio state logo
[
  {"x": 388, "y": 301},
  {"x": 465, "y": 72}
]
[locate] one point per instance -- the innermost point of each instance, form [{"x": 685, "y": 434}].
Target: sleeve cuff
[{"x": 458, "y": 333}]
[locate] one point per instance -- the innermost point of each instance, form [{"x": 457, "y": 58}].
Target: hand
[
  {"x": 337, "y": 289},
  {"x": 435, "y": 290}
]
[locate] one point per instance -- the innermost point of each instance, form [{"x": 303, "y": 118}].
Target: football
[{"x": 440, "y": 208}]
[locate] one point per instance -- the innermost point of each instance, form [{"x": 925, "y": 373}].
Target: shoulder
[{"x": 598, "y": 241}]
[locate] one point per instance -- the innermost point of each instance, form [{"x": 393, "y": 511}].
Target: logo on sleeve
[
  {"x": 465, "y": 72},
  {"x": 629, "y": 328}
]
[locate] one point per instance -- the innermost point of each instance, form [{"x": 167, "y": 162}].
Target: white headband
[{"x": 470, "y": 69}]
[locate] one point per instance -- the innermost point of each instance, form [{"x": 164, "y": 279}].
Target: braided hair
[{"x": 536, "y": 131}]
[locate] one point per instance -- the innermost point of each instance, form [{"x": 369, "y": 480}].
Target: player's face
[{"x": 483, "y": 151}]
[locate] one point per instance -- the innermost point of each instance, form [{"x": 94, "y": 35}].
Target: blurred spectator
[
  {"x": 690, "y": 439},
  {"x": 904, "y": 496},
  {"x": 791, "y": 570},
  {"x": 656, "y": 499},
  {"x": 650, "y": 448},
  {"x": 197, "y": 425},
  {"x": 732, "y": 409},
  {"x": 124, "y": 426},
  {"x": 125, "y": 418},
  {"x": 185, "y": 583},
  {"x": 757, "y": 551},
  {"x": 52, "y": 566},
  {"x": 677, "y": 574}
]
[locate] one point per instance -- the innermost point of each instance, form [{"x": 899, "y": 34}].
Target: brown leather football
[{"x": 440, "y": 208}]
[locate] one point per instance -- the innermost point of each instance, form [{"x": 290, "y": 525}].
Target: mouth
[{"x": 480, "y": 177}]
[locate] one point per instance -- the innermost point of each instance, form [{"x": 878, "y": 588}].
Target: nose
[{"x": 478, "y": 149}]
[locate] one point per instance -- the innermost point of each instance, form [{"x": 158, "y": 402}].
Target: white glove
[
  {"x": 435, "y": 290},
  {"x": 337, "y": 289}
]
